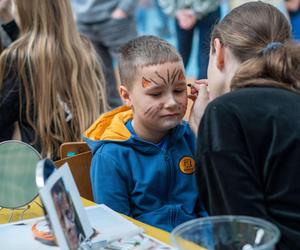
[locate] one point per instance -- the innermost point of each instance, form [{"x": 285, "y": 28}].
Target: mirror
[{"x": 17, "y": 174}]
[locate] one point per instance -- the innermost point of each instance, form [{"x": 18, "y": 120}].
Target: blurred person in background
[
  {"x": 5, "y": 18},
  {"x": 191, "y": 16},
  {"x": 279, "y": 4},
  {"x": 163, "y": 29},
  {"x": 108, "y": 24},
  {"x": 51, "y": 83},
  {"x": 290, "y": 8},
  {"x": 293, "y": 7},
  {"x": 141, "y": 15},
  {"x": 9, "y": 32}
]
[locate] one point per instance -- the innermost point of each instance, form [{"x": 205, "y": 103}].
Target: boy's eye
[
  {"x": 155, "y": 94},
  {"x": 177, "y": 91}
]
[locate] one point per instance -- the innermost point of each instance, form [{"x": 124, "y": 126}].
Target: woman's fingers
[
  {"x": 200, "y": 101},
  {"x": 196, "y": 87},
  {"x": 203, "y": 91},
  {"x": 192, "y": 97},
  {"x": 201, "y": 81}
]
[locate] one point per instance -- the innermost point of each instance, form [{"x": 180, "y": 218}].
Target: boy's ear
[
  {"x": 219, "y": 48},
  {"x": 124, "y": 93}
]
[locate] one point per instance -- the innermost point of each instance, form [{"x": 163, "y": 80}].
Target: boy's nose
[{"x": 170, "y": 102}]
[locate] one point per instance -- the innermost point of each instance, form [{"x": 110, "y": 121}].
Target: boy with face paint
[{"x": 143, "y": 162}]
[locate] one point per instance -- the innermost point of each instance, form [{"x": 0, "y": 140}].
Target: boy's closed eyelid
[
  {"x": 155, "y": 94},
  {"x": 179, "y": 89}
]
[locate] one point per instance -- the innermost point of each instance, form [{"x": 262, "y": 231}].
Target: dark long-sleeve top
[
  {"x": 9, "y": 90},
  {"x": 12, "y": 98},
  {"x": 249, "y": 158},
  {"x": 12, "y": 101},
  {"x": 11, "y": 29}
]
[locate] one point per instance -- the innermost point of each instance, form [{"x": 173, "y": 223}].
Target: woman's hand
[
  {"x": 200, "y": 97},
  {"x": 186, "y": 19},
  {"x": 292, "y": 5},
  {"x": 119, "y": 14}
]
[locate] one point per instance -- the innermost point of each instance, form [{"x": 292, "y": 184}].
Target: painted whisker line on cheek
[
  {"x": 162, "y": 78},
  {"x": 148, "y": 111},
  {"x": 157, "y": 109},
  {"x": 151, "y": 112}
]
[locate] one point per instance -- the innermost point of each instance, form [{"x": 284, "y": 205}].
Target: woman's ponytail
[{"x": 276, "y": 66}]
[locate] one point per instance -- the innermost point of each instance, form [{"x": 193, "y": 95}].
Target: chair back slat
[{"x": 80, "y": 167}]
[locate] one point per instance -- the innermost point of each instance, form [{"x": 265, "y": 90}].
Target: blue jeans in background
[
  {"x": 295, "y": 22},
  {"x": 185, "y": 39}
]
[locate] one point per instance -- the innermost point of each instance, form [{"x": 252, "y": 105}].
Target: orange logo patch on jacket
[{"x": 187, "y": 165}]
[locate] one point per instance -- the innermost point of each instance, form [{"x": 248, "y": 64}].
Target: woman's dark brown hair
[{"x": 259, "y": 35}]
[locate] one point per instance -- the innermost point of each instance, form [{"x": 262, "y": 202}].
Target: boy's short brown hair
[{"x": 141, "y": 52}]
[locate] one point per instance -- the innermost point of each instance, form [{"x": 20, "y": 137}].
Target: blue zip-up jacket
[{"x": 138, "y": 178}]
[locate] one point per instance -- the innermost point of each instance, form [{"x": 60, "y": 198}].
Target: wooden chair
[{"x": 78, "y": 156}]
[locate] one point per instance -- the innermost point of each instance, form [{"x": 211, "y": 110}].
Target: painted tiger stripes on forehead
[
  {"x": 162, "y": 78},
  {"x": 181, "y": 76},
  {"x": 176, "y": 74},
  {"x": 145, "y": 83}
]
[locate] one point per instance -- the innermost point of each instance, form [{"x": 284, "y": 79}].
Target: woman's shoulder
[
  {"x": 253, "y": 95},
  {"x": 253, "y": 103}
]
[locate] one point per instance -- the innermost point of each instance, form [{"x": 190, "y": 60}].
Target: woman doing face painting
[{"x": 248, "y": 144}]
